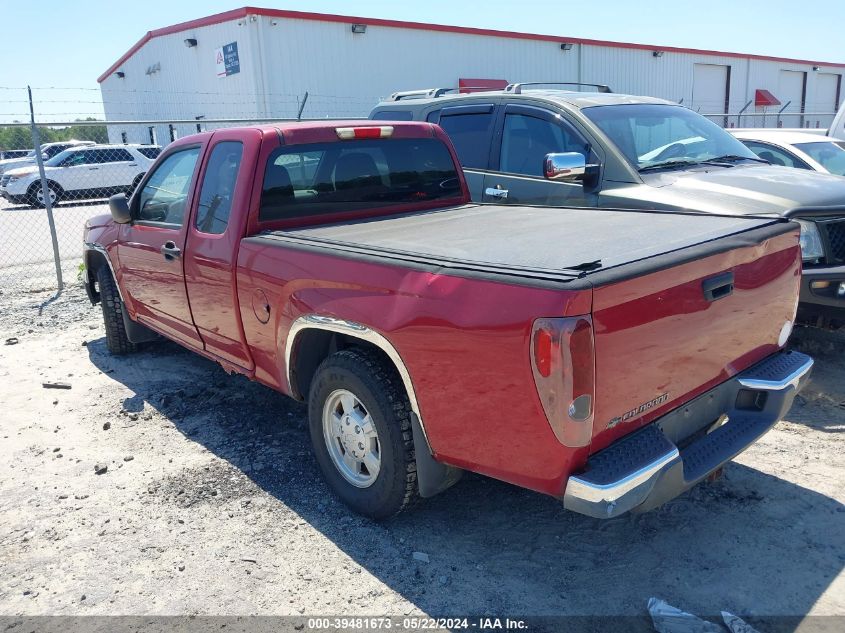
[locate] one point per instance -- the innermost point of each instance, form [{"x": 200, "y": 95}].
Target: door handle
[
  {"x": 496, "y": 192},
  {"x": 133, "y": 164},
  {"x": 718, "y": 287},
  {"x": 171, "y": 251},
  {"x": 92, "y": 168}
]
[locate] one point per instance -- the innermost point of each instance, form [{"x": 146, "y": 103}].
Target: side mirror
[
  {"x": 119, "y": 207},
  {"x": 565, "y": 167}
]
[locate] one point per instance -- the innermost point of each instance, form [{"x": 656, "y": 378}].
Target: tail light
[{"x": 563, "y": 362}]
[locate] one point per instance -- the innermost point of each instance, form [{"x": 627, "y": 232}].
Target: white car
[
  {"x": 794, "y": 148},
  {"x": 97, "y": 171},
  {"x": 48, "y": 150}
]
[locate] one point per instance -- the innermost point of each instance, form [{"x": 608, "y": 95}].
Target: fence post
[
  {"x": 301, "y": 106},
  {"x": 45, "y": 191}
]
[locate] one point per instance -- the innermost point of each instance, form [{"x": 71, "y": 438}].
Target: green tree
[{"x": 20, "y": 137}]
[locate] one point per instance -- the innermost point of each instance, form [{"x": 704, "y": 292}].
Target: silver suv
[{"x": 541, "y": 146}]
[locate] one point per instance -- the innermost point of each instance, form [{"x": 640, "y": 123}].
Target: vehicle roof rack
[
  {"x": 427, "y": 93},
  {"x": 433, "y": 93},
  {"x": 517, "y": 88}
]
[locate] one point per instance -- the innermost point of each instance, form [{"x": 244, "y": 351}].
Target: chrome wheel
[
  {"x": 351, "y": 438},
  {"x": 39, "y": 195}
]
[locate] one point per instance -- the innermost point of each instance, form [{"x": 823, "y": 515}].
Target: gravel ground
[
  {"x": 26, "y": 249},
  {"x": 208, "y": 501}
]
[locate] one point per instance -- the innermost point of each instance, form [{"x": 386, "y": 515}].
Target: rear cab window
[{"x": 346, "y": 176}]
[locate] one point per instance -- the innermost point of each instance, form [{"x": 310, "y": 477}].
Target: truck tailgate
[{"x": 671, "y": 334}]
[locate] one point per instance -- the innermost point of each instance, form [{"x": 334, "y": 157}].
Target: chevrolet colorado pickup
[
  {"x": 534, "y": 144},
  {"x": 610, "y": 359}
]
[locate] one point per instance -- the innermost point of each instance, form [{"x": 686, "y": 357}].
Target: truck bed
[{"x": 560, "y": 245}]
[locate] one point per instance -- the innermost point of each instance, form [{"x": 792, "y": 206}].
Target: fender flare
[
  {"x": 99, "y": 248},
  {"x": 432, "y": 476}
]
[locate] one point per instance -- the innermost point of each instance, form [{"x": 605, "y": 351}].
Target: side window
[
  {"x": 218, "y": 187},
  {"x": 150, "y": 152},
  {"x": 117, "y": 155},
  {"x": 775, "y": 155},
  {"x": 526, "y": 140},
  {"x": 392, "y": 115},
  {"x": 165, "y": 193},
  {"x": 76, "y": 158},
  {"x": 120, "y": 156},
  {"x": 470, "y": 134}
]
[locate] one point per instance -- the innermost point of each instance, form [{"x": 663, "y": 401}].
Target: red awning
[
  {"x": 477, "y": 85},
  {"x": 765, "y": 98}
]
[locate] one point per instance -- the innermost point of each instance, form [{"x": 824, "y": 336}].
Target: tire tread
[
  {"x": 118, "y": 342},
  {"x": 385, "y": 383}
]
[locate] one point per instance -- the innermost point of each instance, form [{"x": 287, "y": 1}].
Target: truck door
[
  {"x": 150, "y": 248},
  {"x": 218, "y": 224},
  {"x": 525, "y": 135},
  {"x": 470, "y": 128}
]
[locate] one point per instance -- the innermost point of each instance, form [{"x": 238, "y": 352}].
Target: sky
[{"x": 60, "y": 47}]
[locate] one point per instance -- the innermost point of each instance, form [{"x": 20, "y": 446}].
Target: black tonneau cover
[{"x": 544, "y": 243}]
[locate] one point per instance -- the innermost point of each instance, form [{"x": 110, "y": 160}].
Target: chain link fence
[
  {"x": 805, "y": 120},
  {"x": 45, "y": 199},
  {"x": 79, "y": 175}
]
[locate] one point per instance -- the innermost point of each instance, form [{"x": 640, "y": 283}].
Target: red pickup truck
[{"x": 610, "y": 359}]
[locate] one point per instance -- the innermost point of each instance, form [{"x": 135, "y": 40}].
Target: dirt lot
[{"x": 212, "y": 504}]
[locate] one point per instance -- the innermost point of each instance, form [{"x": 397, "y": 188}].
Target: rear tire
[
  {"x": 376, "y": 402},
  {"x": 116, "y": 339}
]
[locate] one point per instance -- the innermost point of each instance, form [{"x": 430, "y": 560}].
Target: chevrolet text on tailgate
[{"x": 610, "y": 359}]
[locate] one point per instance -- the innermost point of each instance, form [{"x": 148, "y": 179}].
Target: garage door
[
  {"x": 825, "y": 99},
  {"x": 791, "y": 91},
  {"x": 710, "y": 90}
]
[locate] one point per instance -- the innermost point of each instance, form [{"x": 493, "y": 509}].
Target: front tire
[
  {"x": 116, "y": 339},
  {"x": 36, "y": 194},
  {"x": 360, "y": 422}
]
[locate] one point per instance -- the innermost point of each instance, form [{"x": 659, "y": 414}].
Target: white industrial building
[{"x": 260, "y": 63}]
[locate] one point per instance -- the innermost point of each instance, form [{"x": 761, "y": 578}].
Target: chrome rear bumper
[{"x": 647, "y": 468}]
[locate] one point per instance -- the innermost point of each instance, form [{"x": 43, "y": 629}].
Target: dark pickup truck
[{"x": 610, "y": 359}]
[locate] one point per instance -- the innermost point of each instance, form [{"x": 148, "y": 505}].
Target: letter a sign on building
[{"x": 226, "y": 60}]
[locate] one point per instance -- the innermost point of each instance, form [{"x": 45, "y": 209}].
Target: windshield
[
  {"x": 656, "y": 134},
  {"x": 830, "y": 154}
]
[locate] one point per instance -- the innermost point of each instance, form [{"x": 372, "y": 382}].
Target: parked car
[
  {"x": 48, "y": 151},
  {"x": 555, "y": 147},
  {"x": 95, "y": 171},
  {"x": 609, "y": 358},
  {"x": 794, "y": 148},
  {"x": 7, "y": 154}
]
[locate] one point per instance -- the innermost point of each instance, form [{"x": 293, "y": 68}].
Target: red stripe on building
[{"x": 424, "y": 26}]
